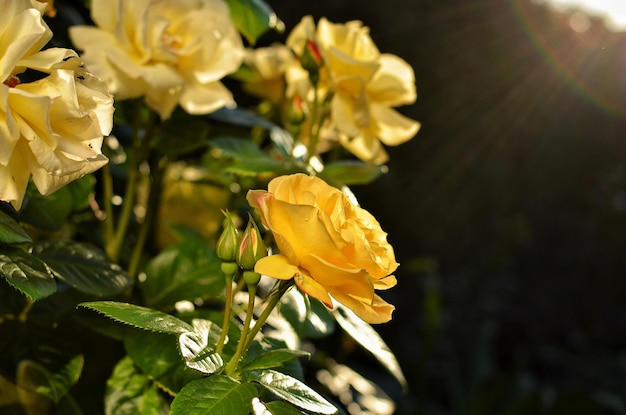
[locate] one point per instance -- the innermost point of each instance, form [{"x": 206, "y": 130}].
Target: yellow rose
[
  {"x": 51, "y": 128},
  {"x": 330, "y": 247},
  {"x": 169, "y": 51},
  {"x": 364, "y": 86}
]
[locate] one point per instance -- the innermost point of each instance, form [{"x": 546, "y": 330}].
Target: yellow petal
[
  {"x": 14, "y": 178},
  {"x": 394, "y": 82},
  {"x": 313, "y": 288},
  {"x": 379, "y": 311},
  {"x": 205, "y": 98},
  {"x": 393, "y": 127},
  {"x": 276, "y": 266}
]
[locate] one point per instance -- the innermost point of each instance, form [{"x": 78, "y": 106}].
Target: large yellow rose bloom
[
  {"x": 364, "y": 84},
  {"x": 169, "y": 51},
  {"x": 51, "y": 128},
  {"x": 333, "y": 249}
]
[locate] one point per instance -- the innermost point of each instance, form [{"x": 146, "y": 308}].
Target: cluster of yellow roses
[{"x": 175, "y": 52}]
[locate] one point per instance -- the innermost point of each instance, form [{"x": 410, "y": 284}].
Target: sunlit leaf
[
  {"x": 355, "y": 391},
  {"x": 83, "y": 266},
  {"x": 274, "y": 358},
  {"x": 369, "y": 339},
  {"x": 351, "y": 172},
  {"x": 140, "y": 317},
  {"x": 157, "y": 355},
  {"x": 33, "y": 376},
  {"x": 185, "y": 271},
  {"x": 198, "y": 347},
  {"x": 308, "y": 316},
  {"x": 253, "y": 18},
  {"x": 282, "y": 408},
  {"x": 236, "y": 148},
  {"x": 255, "y": 167},
  {"x": 214, "y": 395},
  {"x": 26, "y": 273},
  {"x": 11, "y": 232},
  {"x": 294, "y": 391},
  {"x": 129, "y": 392}
]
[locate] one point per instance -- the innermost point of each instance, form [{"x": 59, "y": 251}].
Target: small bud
[
  {"x": 312, "y": 60},
  {"x": 228, "y": 241},
  {"x": 251, "y": 248},
  {"x": 295, "y": 111}
]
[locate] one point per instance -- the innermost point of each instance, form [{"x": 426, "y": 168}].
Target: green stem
[
  {"x": 232, "y": 364},
  {"x": 107, "y": 188},
  {"x": 247, "y": 337},
  {"x": 227, "y": 312},
  {"x": 138, "y": 154},
  {"x": 151, "y": 207},
  {"x": 314, "y": 133}
]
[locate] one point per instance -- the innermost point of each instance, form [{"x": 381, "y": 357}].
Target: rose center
[{"x": 172, "y": 42}]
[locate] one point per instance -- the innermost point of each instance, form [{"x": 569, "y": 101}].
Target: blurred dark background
[{"x": 507, "y": 210}]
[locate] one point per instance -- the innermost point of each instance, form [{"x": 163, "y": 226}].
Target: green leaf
[
  {"x": 350, "y": 172},
  {"x": 369, "y": 339},
  {"x": 255, "y": 167},
  {"x": 281, "y": 408},
  {"x": 236, "y": 148},
  {"x": 157, "y": 355},
  {"x": 240, "y": 117},
  {"x": 129, "y": 392},
  {"x": 181, "y": 134},
  {"x": 275, "y": 358},
  {"x": 253, "y": 18},
  {"x": 185, "y": 271},
  {"x": 140, "y": 317},
  {"x": 214, "y": 395},
  {"x": 47, "y": 212},
  {"x": 33, "y": 376},
  {"x": 294, "y": 391},
  {"x": 198, "y": 347},
  {"x": 83, "y": 267},
  {"x": 26, "y": 273},
  {"x": 81, "y": 189},
  {"x": 11, "y": 232},
  {"x": 308, "y": 316}
]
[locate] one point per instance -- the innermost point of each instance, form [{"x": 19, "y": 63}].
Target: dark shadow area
[{"x": 507, "y": 210}]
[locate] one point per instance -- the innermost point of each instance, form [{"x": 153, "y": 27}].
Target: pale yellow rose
[
  {"x": 51, "y": 128},
  {"x": 169, "y": 51},
  {"x": 364, "y": 86},
  {"x": 332, "y": 249}
]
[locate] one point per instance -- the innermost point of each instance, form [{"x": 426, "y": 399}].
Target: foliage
[{"x": 113, "y": 296}]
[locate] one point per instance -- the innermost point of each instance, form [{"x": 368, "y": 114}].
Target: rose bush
[
  {"x": 362, "y": 84},
  {"x": 330, "y": 247},
  {"x": 51, "y": 128},
  {"x": 169, "y": 51}
]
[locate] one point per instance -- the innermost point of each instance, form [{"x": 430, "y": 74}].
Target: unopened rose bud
[
  {"x": 228, "y": 242},
  {"x": 295, "y": 111},
  {"x": 312, "y": 60},
  {"x": 251, "y": 248}
]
